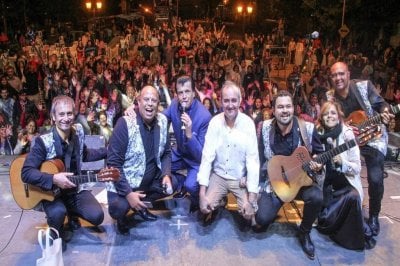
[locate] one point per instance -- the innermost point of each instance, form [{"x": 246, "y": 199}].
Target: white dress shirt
[{"x": 231, "y": 153}]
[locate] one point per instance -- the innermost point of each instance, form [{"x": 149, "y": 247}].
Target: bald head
[
  {"x": 148, "y": 103},
  {"x": 340, "y": 76}
]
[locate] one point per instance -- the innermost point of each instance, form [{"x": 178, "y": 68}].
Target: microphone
[
  {"x": 329, "y": 140},
  {"x": 167, "y": 189},
  {"x": 183, "y": 110}
]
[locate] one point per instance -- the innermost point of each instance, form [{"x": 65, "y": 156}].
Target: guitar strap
[{"x": 303, "y": 133}]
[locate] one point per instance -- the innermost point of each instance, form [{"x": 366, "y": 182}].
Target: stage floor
[{"x": 182, "y": 240}]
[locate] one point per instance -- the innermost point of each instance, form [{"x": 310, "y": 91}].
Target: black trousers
[
  {"x": 118, "y": 205},
  {"x": 269, "y": 205},
  {"x": 374, "y": 161},
  {"x": 82, "y": 204}
]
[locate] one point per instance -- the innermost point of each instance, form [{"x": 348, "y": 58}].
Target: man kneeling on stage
[
  {"x": 230, "y": 153},
  {"x": 140, "y": 149}
]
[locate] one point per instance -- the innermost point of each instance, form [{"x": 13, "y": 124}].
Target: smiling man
[
  {"x": 281, "y": 136},
  {"x": 230, "y": 158},
  {"x": 189, "y": 120},
  {"x": 65, "y": 141},
  {"x": 139, "y": 148},
  {"x": 360, "y": 95}
]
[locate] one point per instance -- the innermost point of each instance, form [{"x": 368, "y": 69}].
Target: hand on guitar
[
  {"x": 386, "y": 116},
  {"x": 135, "y": 200},
  {"x": 314, "y": 166},
  {"x": 62, "y": 181},
  {"x": 337, "y": 160}
]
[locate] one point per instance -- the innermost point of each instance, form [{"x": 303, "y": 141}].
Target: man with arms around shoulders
[{"x": 139, "y": 147}]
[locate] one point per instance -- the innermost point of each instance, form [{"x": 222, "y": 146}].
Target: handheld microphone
[
  {"x": 329, "y": 140},
  {"x": 167, "y": 189},
  {"x": 183, "y": 110}
]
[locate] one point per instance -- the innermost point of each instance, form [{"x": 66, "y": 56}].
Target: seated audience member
[{"x": 26, "y": 137}]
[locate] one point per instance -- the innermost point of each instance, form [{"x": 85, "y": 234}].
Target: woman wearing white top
[{"x": 341, "y": 216}]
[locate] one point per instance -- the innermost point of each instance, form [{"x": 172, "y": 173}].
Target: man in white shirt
[{"x": 230, "y": 160}]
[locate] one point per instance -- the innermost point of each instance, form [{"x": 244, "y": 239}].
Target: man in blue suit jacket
[{"x": 189, "y": 120}]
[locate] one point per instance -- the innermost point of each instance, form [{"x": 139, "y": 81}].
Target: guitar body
[
  {"x": 286, "y": 173},
  {"x": 357, "y": 117},
  {"x": 28, "y": 196}
]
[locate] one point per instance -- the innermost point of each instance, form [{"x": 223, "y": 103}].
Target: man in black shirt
[
  {"x": 140, "y": 149},
  {"x": 65, "y": 142},
  {"x": 361, "y": 95},
  {"x": 281, "y": 136}
]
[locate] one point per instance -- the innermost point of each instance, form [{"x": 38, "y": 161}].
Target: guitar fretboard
[
  {"x": 376, "y": 119},
  {"x": 324, "y": 157},
  {"x": 80, "y": 179}
]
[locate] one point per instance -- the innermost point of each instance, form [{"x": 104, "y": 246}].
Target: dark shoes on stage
[
  {"x": 123, "y": 226},
  {"x": 373, "y": 223},
  {"x": 306, "y": 244},
  {"x": 74, "y": 223},
  {"x": 370, "y": 242},
  {"x": 146, "y": 215}
]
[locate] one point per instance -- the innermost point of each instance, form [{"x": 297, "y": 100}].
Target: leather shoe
[
  {"x": 74, "y": 223},
  {"x": 370, "y": 243},
  {"x": 307, "y": 245},
  {"x": 373, "y": 223},
  {"x": 122, "y": 226},
  {"x": 146, "y": 215}
]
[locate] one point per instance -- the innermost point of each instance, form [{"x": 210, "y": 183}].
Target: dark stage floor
[{"x": 181, "y": 240}]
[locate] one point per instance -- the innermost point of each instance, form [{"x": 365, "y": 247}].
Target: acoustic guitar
[
  {"x": 287, "y": 174},
  {"x": 28, "y": 196},
  {"x": 360, "y": 119}
]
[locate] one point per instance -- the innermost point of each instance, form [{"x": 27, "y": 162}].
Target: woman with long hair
[{"x": 341, "y": 216}]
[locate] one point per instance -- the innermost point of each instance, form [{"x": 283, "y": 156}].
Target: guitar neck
[
  {"x": 81, "y": 179},
  {"x": 376, "y": 119},
  {"x": 326, "y": 156}
]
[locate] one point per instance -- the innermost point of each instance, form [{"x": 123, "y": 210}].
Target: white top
[{"x": 231, "y": 153}]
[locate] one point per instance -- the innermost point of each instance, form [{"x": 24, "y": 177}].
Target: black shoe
[
  {"x": 373, "y": 223},
  {"x": 370, "y": 243},
  {"x": 209, "y": 218},
  {"x": 67, "y": 235},
  {"x": 74, "y": 223},
  {"x": 146, "y": 215},
  {"x": 122, "y": 226},
  {"x": 307, "y": 245}
]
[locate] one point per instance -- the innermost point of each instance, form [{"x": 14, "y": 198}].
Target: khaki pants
[{"x": 219, "y": 188}]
